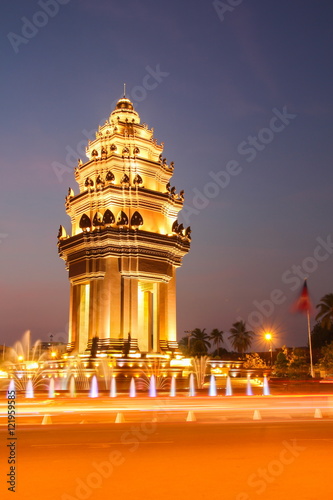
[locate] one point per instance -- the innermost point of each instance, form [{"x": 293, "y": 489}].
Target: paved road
[
  {"x": 146, "y": 460},
  {"x": 209, "y": 410}
]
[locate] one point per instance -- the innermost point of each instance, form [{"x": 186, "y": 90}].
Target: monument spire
[{"x": 126, "y": 244}]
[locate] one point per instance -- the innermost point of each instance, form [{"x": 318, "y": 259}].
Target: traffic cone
[
  {"x": 318, "y": 413},
  {"x": 256, "y": 415},
  {"x": 119, "y": 418},
  {"x": 191, "y": 417},
  {"x": 46, "y": 420}
]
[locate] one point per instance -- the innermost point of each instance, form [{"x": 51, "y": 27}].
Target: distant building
[
  {"x": 125, "y": 243},
  {"x": 59, "y": 347}
]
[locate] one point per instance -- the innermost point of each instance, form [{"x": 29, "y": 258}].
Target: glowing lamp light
[
  {"x": 20, "y": 358},
  {"x": 53, "y": 354},
  {"x": 268, "y": 336}
]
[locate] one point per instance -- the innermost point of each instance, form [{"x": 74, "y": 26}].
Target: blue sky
[{"x": 221, "y": 79}]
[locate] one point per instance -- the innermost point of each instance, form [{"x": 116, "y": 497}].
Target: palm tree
[
  {"x": 241, "y": 339},
  {"x": 200, "y": 343},
  {"x": 325, "y": 314},
  {"x": 216, "y": 336}
]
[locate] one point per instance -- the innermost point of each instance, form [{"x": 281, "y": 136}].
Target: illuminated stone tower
[{"x": 126, "y": 242}]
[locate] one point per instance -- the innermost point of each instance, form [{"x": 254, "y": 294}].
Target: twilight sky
[{"x": 239, "y": 91}]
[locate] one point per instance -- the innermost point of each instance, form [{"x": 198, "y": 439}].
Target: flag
[{"x": 303, "y": 303}]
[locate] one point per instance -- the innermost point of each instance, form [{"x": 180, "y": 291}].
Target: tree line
[{"x": 198, "y": 342}]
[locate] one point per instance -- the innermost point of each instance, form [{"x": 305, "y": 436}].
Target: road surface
[{"x": 169, "y": 460}]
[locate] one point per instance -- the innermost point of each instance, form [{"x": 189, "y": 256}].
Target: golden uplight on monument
[{"x": 120, "y": 253}]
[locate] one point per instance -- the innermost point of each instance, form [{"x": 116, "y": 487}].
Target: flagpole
[{"x": 310, "y": 345}]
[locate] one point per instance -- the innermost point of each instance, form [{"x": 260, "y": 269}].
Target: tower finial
[{"x": 124, "y": 89}]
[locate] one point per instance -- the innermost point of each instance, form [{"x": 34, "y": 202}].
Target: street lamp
[{"x": 268, "y": 337}]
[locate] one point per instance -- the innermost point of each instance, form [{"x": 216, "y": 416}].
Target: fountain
[
  {"x": 51, "y": 388},
  {"x": 200, "y": 368},
  {"x": 63, "y": 383},
  {"x": 93, "y": 393},
  {"x": 23, "y": 362},
  {"x": 173, "y": 387},
  {"x": 152, "y": 387},
  {"x": 76, "y": 369},
  {"x": 132, "y": 393},
  {"x": 249, "y": 387},
  {"x": 113, "y": 390},
  {"x": 29, "y": 391},
  {"x": 212, "y": 386},
  {"x": 192, "y": 388},
  {"x": 72, "y": 391},
  {"x": 105, "y": 371},
  {"x": 153, "y": 376},
  {"x": 11, "y": 386},
  {"x": 24, "y": 350},
  {"x": 265, "y": 387},
  {"x": 228, "y": 389}
]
